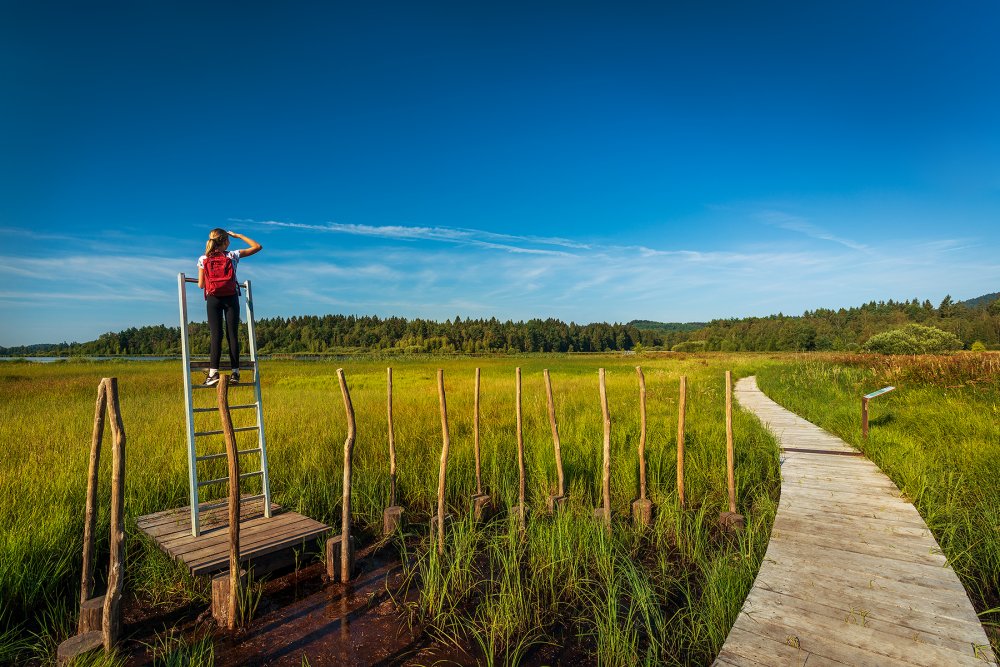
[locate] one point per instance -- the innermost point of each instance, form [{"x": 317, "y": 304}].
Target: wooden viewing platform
[
  {"x": 264, "y": 543},
  {"x": 852, "y": 575}
]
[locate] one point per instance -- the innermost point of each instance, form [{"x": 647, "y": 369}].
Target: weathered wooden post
[
  {"x": 226, "y": 588},
  {"x": 604, "y": 513},
  {"x": 731, "y": 520},
  {"x": 340, "y": 549},
  {"x": 481, "y": 502},
  {"x": 392, "y": 517},
  {"x": 642, "y": 509},
  {"x": 521, "y": 510},
  {"x": 445, "y": 443},
  {"x": 91, "y": 608},
  {"x": 559, "y": 498},
  {"x": 100, "y": 617},
  {"x": 681, "y": 408},
  {"x": 116, "y": 575}
]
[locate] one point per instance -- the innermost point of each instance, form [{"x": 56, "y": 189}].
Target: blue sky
[{"x": 586, "y": 161}]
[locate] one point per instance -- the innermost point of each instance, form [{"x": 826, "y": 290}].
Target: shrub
[
  {"x": 978, "y": 346},
  {"x": 913, "y": 339},
  {"x": 689, "y": 346}
]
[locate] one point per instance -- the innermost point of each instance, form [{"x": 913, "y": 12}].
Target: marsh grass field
[{"x": 664, "y": 595}]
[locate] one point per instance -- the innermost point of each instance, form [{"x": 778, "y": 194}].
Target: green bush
[
  {"x": 978, "y": 346},
  {"x": 913, "y": 339},
  {"x": 689, "y": 346}
]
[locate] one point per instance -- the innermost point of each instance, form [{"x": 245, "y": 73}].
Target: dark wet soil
[{"x": 303, "y": 619}]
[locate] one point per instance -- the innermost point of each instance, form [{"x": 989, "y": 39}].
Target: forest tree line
[{"x": 845, "y": 329}]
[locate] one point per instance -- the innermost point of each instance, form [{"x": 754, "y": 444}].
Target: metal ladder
[{"x": 193, "y": 458}]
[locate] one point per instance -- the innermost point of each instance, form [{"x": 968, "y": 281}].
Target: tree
[{"x": 913, "y": 339}]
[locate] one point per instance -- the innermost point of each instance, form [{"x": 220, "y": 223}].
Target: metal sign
[{"x": 883, "y": 390}]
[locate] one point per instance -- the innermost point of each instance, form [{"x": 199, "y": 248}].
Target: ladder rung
[
  {"x": 212, "y": 506},
  {"x": 231, "y": 407},
  {"x": 209, "y": 457},
  {"x": 219, "y": 480},
  {"x": 220, "y": 432},
  {"x": 231, "y": 385},
  {"x": 245, "y": 365}
]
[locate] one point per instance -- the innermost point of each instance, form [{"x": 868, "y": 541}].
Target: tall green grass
[
  {"x": 667, "y": 594},
  {"x": 937, "y": 436}
]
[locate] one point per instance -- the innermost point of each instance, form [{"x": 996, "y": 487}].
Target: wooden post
[
  {"x": 557, "y": 500},
  {"x": 864, "y": 416},
  {"x": 346, "y": 557},
  {"x": 445, "y": 443},
  {"x": 681, "y": 408},
  {"x": 112, "y": 599},
  {"x": 392, "y": 516},
  {"x": 730, "y": 520},
  {"x": 482, "y": 504},
  {"x": 642, "y": 509},
  {"x": 605, "y": 513},
  {"x": 392, "y": 440},
  {"x": 233, "y": 459},
  {"x": 475, "y": 436},
  {"x": 520, "y": 453},
  {"x": 730, "y": 454},
  {"x": 90, "y": 517}
]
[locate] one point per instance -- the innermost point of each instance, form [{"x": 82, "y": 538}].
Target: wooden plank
[
  {"x": 187, "y": 547},
  {"x": 851, "y": 574}
]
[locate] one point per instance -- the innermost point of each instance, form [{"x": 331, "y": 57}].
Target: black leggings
[{"x": 230, "y": 307}]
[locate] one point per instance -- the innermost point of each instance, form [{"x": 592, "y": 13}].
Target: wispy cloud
[
  {"x": 458, "y": 235},
  {"x": 801, "y": 225}
]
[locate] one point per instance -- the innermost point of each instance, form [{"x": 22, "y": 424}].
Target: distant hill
[
  {"x": 983, "y": 300},
  {"x": 649, "y": 325}
]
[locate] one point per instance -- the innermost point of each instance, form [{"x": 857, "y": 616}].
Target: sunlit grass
[{"x": 667, "y": 594}]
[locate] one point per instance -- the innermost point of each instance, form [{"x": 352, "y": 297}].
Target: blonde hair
[{"x": 216, "y": 239}]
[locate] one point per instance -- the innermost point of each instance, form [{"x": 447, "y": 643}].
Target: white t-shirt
[{"x": 234, "y": 255}]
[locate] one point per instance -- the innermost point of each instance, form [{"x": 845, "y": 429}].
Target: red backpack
[{"x": 220, "y": 275}]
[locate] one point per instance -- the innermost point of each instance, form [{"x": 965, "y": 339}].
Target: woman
[{"x": 217, "y": 276}]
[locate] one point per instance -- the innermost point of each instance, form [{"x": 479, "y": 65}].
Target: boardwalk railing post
[
  {"x": 642, "y": 509},
  {"x": 730, "y": 520},
  {"x": 392, "y": 516},
  {"x": 442, "y": 473},
  {"x": 681, "y": 408},
  {"x": 559, "y": 498},
  {"x": 604, "y": 513},
  {"x": 481, "y": 501},
  {"x": 340, "y": 549}
]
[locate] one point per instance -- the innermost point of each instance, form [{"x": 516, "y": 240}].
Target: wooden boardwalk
[
  {"x": 262, "y": 541},
  {"x": 852, "y": 575}
]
